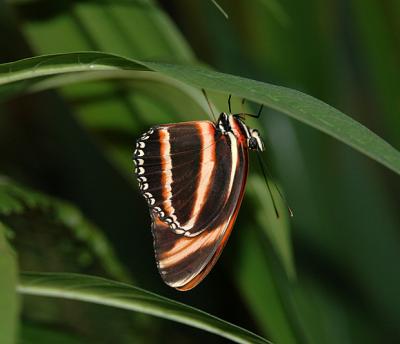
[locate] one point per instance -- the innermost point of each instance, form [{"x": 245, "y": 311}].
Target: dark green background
[{"x": 76, "y": 143}]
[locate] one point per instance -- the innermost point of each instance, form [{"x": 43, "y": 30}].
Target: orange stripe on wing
[
  {"x": 185, "y": 246},
  {"x": 166, "y": 175},
  {"x": 229, "y": 225},
  {"x": 207, "y": 164}
]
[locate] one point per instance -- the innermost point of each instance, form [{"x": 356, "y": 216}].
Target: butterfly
[{"x": 193, "y": 177}]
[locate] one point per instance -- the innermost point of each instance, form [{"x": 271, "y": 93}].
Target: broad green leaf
[
  {"x": 9, "y": 303},
  {"x": 115, "y": 294},
  {"x": 293, "y": 103}
]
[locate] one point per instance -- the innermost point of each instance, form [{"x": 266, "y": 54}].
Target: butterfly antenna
[
  {"x": 229, "y": 103},
  {"x": 209, "y": 104},
  {"x": 265, "y": 173},
  {"x": 259, "y": 111},
  {"x": 267, "y": 183},
  {"x": 249, "y": 114}
]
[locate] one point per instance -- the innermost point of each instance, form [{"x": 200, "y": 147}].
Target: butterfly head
[
  {"x": 255, "y": 141},
  {"x": 230, "y": 123}
]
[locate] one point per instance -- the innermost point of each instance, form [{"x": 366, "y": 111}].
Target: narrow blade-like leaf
[
  {"x": 300, "y": 106},
  {"x": 120, "y": 295}
]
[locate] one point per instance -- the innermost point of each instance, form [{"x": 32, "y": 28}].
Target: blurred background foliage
[{"x": 334, "y": 278}]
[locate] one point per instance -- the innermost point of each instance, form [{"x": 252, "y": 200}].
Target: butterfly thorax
[{"x": 233, "y": 123}]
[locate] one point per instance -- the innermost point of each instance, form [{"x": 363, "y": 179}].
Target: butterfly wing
[{"x": 193, "y": 178}]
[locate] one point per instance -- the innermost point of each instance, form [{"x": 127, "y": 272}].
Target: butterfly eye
[
  {"x": 255, "y": 142},
  {"x": 252, "y": 143}
]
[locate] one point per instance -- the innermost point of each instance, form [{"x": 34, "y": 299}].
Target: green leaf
[
  {"x": 276, "y": 229},
  {"x": 9, "y": 304},
  {"x": 257, "y": 284},
  {"x": 293, "y": 103},
  {"x": 106, "y": 292},
  {"x": 63, "y": 63}
]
